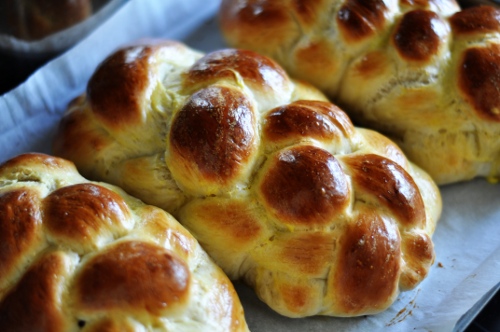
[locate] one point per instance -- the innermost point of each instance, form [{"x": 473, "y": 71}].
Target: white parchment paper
[{"x": 467, "y": 239}]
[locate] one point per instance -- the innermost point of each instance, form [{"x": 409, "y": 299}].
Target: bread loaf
[
  {"x": 84, "y": 256},
  {"x": 422, "y": 72},
  {"x": 36, "y": 19},
  {"x": 318, "y": 216}
]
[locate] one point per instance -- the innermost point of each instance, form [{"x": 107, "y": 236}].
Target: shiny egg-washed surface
[
  {"x": 84, "y": 256},
  {"x": 425, "y": 73},
  {"x": 318, "y": 216}
]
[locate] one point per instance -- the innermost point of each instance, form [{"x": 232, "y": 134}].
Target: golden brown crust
[
  {"x": 127, "y": 68},
  {"x": 212, "y": 136},
  {"x": 240, "y": 226},
  {"x": 274, "y": 181},
  {"x": 369, "y": 264},
  {"x": 133, "y": 277},
  {"x": 33, "y": 302},
  {"x": 360, "y": 19},
  {"x": 309, "y": 253},
  {"x": 476, "y": 20},
  {"x": 81, "y": 213},
  {"x": 419, "y": 252},
  {"x": 20, "y": 223},
  {"x": 479, "y": 79},
  {"x": 390, "y": 184},
  {"x": 422, "y": 72},
  {"x": 272, "y": 17},
  {"x": 304, "y": 186},
  {"x": 18, "y": 168},
  {"x": 303, "y": 118},
  {"x": 75, "y": 251},
  {"x": 253, "y": 68},
  {"x": 419, "y": 34}
]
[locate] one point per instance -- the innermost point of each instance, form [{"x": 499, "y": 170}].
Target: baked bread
[
  {"x": 36, "y": 19},
  {"x": 276, "y": 183},
  {"x": 81, "y": 255},
  {"x": 423, "y": 73}
]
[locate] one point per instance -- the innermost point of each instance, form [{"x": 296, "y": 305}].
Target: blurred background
[{"x": 32, "y": 32}]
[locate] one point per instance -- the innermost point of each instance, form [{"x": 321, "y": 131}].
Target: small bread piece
[
  {"x": 36, "y": 19},
  {"x": 81, "y": 255},
  {"x": 318, "y": 216},
  {"x": 423, "y": 73}
]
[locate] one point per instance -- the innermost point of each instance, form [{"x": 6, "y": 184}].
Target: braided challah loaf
[
  {"x": 276, "y": 183},
  {"x": 84, "y": 256},
  {"x": 422, "y": 72}
]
